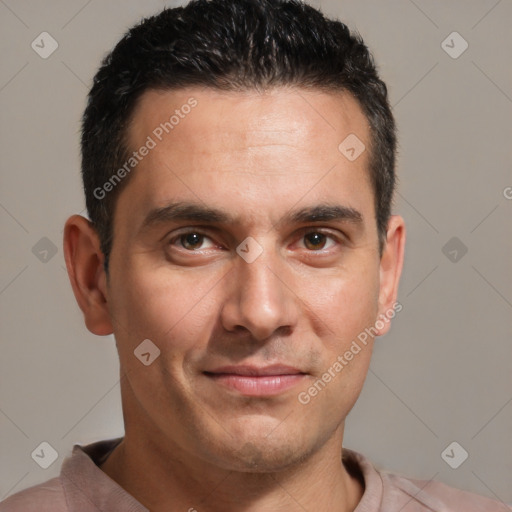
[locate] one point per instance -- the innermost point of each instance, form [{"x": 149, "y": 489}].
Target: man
[{"x": 238, "y": 167}]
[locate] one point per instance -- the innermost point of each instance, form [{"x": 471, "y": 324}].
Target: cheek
[
  {"x": 177, "y": 315},
  {"x": 346, "y": 308},
  {"x": 167, "y": 307},
  {"x": 345, "y": 304}
]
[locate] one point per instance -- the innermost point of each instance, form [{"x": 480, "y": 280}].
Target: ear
[
  {"x": 84, "y": 261},
  {"x": 391, "y": 263}
]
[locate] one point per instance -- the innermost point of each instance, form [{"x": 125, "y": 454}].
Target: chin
[
  {"x": 270, "y": 459},
  {"x": 258, "y": 457},
  {"x": 262, "y": 448}
]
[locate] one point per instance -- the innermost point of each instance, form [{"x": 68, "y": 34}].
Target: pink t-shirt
[{"x": 83, "y": 487}]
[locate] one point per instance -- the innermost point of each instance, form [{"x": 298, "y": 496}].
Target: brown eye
[
  {"x": 191, "y": 245},
  {"x": 191, "y": 241},
  {"x": 315, "y": 240}
]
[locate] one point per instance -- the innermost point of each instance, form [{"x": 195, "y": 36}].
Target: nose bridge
[
  {"x": 260, "y": 282},
  {"x": 261, "y": 302}
]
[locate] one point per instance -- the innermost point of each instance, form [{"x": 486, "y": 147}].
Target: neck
[{"x": 161, "y": 477}]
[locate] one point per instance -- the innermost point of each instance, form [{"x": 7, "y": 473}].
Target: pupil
[
  {"x": 315, "y": 239},
  {"x": 192, "y": 239}
]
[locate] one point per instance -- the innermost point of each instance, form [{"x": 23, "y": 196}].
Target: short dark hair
[{"x": 231, "y": 45}]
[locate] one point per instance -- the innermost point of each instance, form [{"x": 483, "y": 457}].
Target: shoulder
[
  {"x": 419, "y": 495},
  {"x": 46, "y": 497},
  {"x": 388, "y": 491}
]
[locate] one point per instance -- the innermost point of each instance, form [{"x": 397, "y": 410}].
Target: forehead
[
  {"x": 277, "y": 115},
  {"x": 253, "y": 147}
]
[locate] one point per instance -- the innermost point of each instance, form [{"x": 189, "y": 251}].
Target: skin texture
[{"x": 190, "y": 441}]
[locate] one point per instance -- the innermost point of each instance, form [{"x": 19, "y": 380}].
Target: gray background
[{"x": 442, "y": 374}]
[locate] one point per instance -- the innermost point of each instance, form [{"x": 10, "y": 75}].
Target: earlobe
[
  {"x": 84, "y": 262},
  {"x": 391, "y": 264}
]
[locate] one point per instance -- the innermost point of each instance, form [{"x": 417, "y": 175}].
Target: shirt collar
[{"x": 89, "y": 489}]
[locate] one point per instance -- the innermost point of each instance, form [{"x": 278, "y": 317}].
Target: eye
[
  {"x": 191, "y": 241},
  {"x": 195, "y": 241},
  {"x": 317, "y": 240}
]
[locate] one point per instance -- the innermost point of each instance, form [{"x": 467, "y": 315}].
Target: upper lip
[{"x": 275, "y": 369}]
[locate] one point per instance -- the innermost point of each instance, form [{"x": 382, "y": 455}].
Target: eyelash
[{"x": 304, "y": 233}]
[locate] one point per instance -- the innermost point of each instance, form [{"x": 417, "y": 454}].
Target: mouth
[{"x": 257, "y": 381}]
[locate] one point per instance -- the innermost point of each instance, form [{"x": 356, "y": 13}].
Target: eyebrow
[{"x": 186, "y": 211}]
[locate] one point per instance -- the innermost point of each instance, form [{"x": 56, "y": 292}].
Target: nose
[{"x": 261, "y": 299}]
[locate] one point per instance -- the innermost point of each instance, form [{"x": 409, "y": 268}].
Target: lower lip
[{"x": 257, "y": 385}]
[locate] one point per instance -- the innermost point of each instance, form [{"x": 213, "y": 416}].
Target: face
[{"x": 246, "y": 249}]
